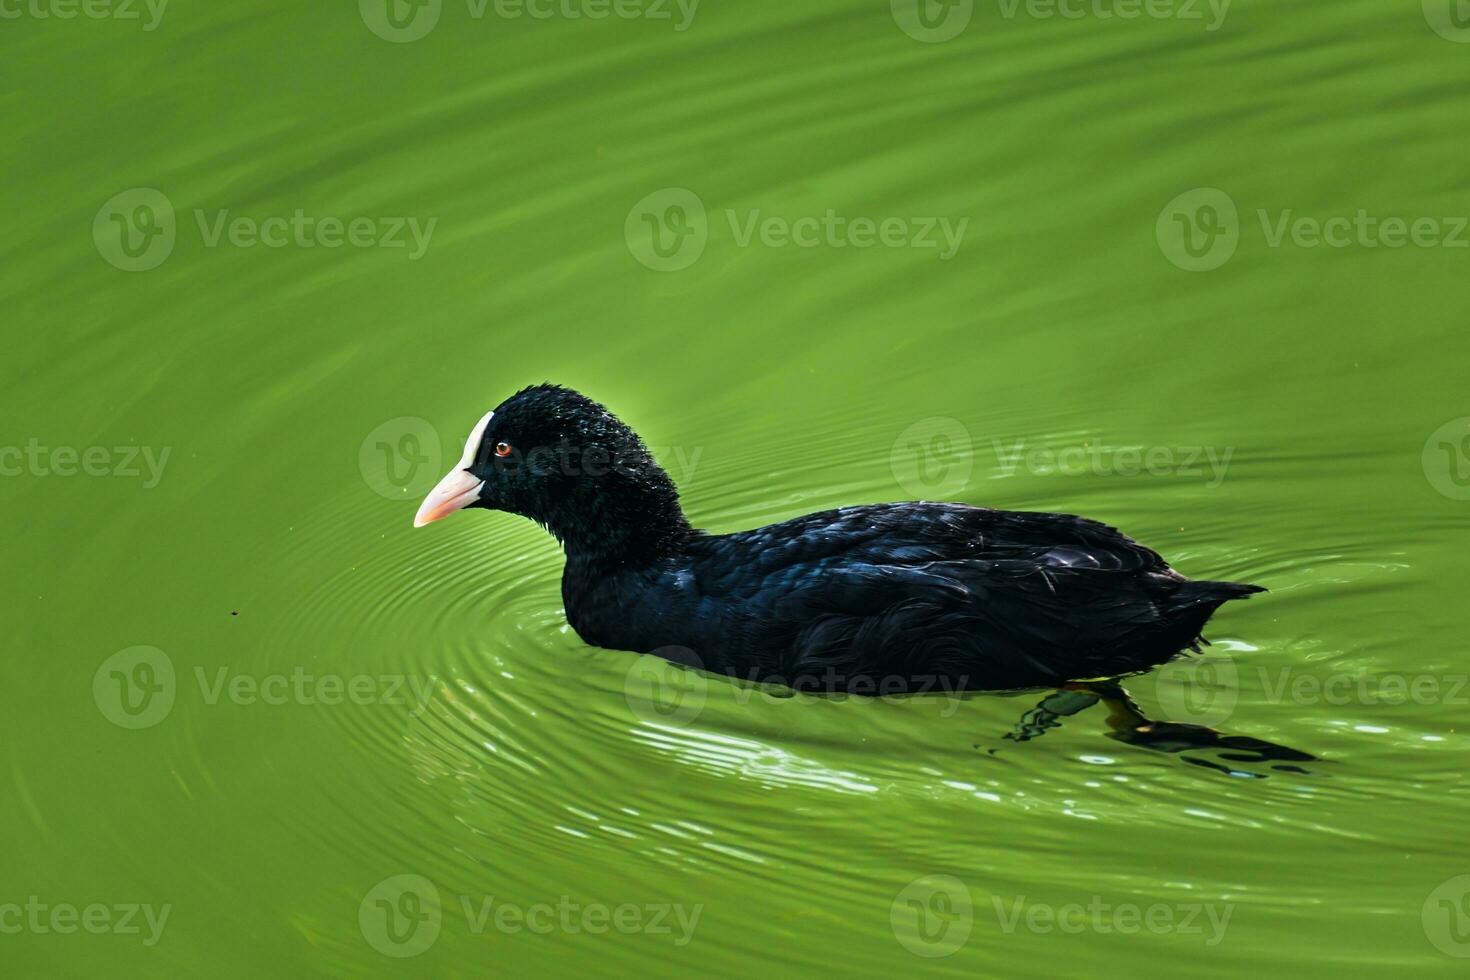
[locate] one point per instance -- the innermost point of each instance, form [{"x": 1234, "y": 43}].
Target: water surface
[{"x": 367, "y": 720}]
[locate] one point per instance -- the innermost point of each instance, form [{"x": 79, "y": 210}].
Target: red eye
[{"x": 502, "y": 449}]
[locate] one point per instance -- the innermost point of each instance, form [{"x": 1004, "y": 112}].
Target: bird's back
[{"x": 901, "y": 597}]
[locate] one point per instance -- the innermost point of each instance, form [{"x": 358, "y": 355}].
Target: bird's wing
[
  {"x": 907, "y": 535},
  {"x": 939, "y": 588}
]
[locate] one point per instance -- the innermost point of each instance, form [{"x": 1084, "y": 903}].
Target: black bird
[{"x": 873, "y": 599}]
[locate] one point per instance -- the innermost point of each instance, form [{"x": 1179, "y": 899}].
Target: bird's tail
[
  {"x": 1214, "y": 593},
  {"x": 1193, "y": 603}
]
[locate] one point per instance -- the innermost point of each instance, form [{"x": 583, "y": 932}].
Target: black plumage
[{"x": 872, "y": 599}]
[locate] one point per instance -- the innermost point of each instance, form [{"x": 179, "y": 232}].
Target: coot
[{"x": 873, "y": 599}]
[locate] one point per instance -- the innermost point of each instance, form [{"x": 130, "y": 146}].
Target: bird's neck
[{"x": 621, "y": 522}]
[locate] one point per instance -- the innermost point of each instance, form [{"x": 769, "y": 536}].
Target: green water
[{"x": 344, "y": 741}]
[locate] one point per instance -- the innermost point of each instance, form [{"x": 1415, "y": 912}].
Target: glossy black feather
[{"x": 872, "y": 599}]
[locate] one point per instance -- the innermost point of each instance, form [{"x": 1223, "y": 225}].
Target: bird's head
[{"x": 559, "y": 458}]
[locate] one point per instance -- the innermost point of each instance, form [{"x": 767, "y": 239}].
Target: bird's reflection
[{"x": 1129, "y": 724}]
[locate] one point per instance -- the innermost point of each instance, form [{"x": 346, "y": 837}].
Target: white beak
[
  {"x": 456, "y": 491},
  {"x": 460, "y": 487}
]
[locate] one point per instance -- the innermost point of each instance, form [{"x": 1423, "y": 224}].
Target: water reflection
[{"x": 1129, "y": 724}]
